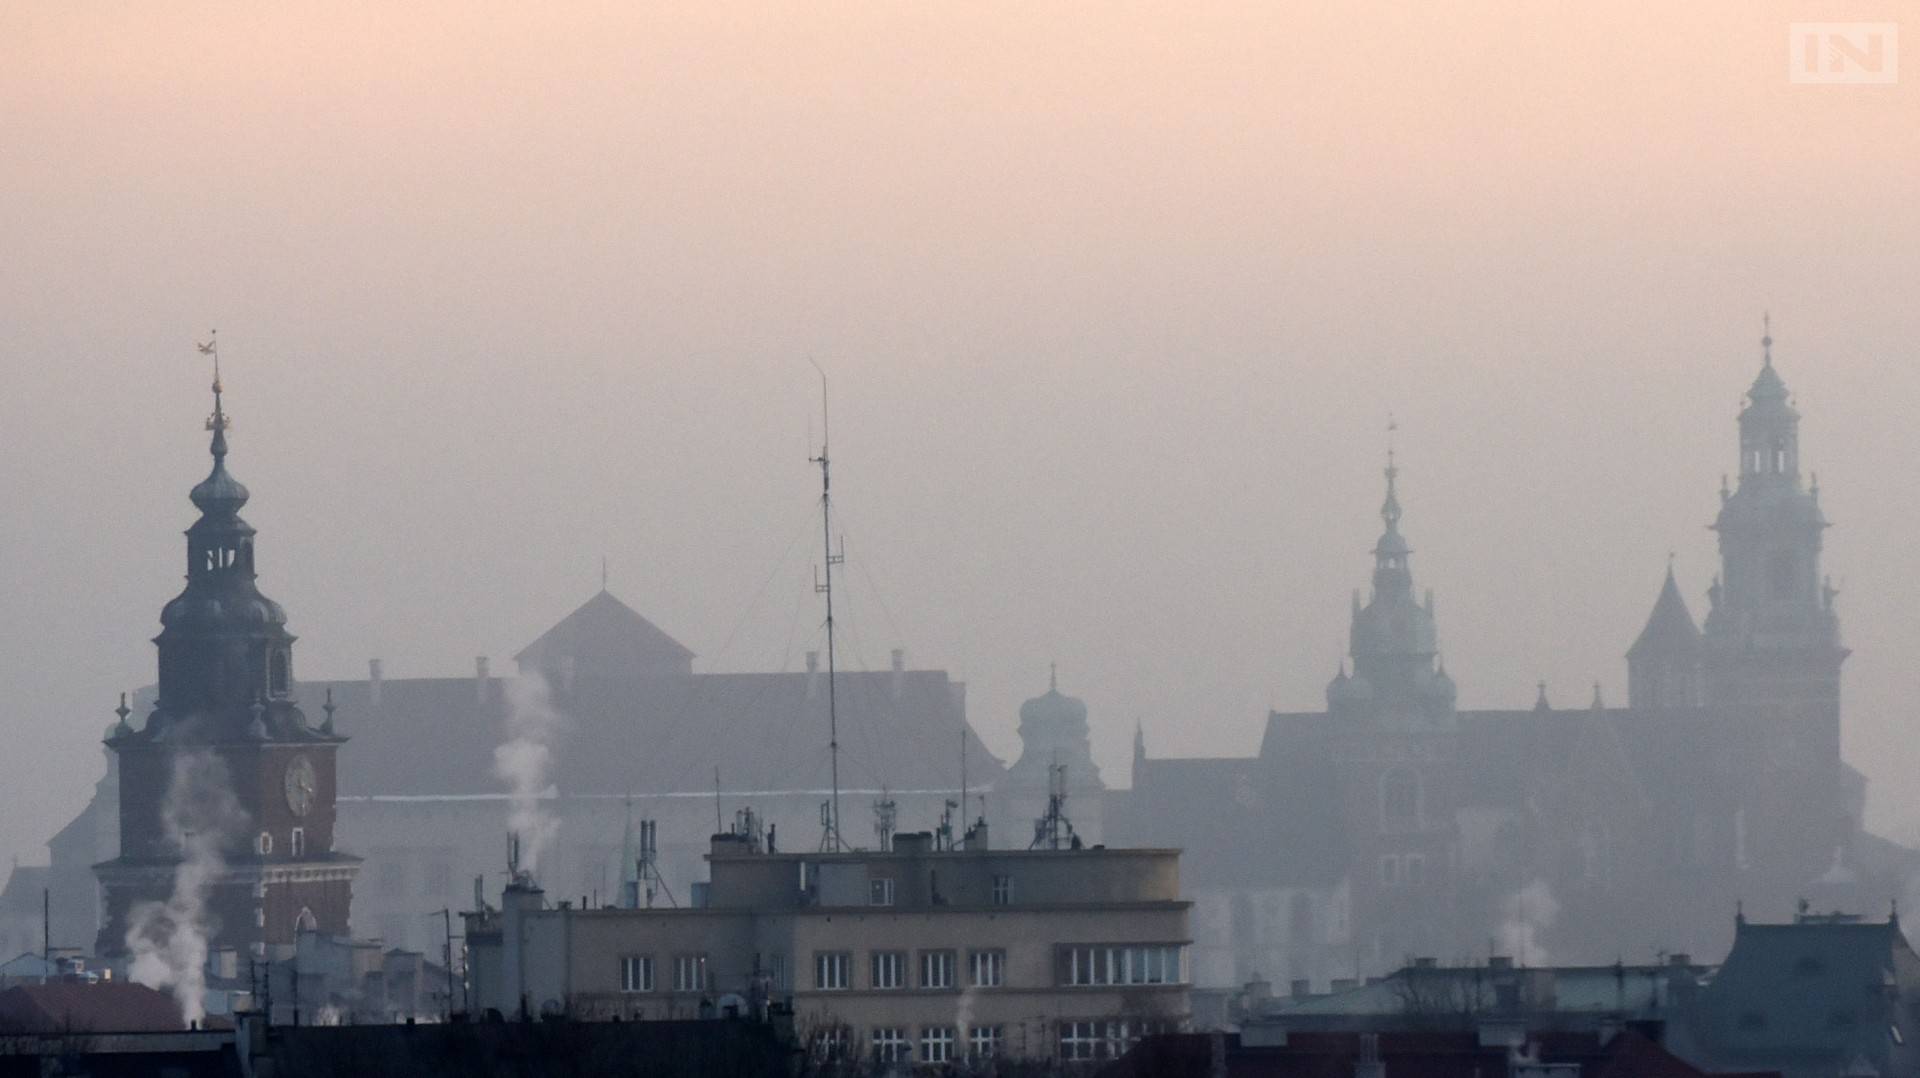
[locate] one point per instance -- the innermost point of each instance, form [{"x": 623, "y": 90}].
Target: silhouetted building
[
  {"x": 226, "y": 776},
  {"x": 1393, "y": 824}
]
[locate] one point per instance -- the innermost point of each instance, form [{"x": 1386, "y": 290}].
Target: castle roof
[
  {"x": 606, "y": 638},
  {"x": 1670, "y": 628}
]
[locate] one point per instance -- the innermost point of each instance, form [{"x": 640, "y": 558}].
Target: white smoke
[
  {"x": 1525, "y": 916},
  {"x": 523, "y": 763},
  {"x": 168, "y": 940}
]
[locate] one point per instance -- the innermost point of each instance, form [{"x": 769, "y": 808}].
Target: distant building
[
  {"x": 1817, "y": 996},
  {"x": 1056, "y": 758},
  {"x": 226, "y": 774},
  {"x": 913, "y": 953},
  {"x": 1392, "y": 824}
]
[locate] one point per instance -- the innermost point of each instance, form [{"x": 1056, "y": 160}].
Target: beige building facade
[{"x": 916, "y": 953}]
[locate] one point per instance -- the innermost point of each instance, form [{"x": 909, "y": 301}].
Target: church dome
[
  {"x": 219, "y": 494},
  {"x": 1054, "y": 708}
]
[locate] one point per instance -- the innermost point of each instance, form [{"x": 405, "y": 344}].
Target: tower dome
[{"x": 1054, "y": 732}]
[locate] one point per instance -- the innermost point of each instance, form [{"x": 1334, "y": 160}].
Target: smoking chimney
[{"x": 375, "y": 674}]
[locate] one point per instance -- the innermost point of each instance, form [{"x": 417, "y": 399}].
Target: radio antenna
[{"x": 830, "y": 839}]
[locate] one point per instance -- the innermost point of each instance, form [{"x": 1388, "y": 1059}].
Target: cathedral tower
[
  {"x": 226, "y": 791},
  {"x": 1772, "y": 652}
]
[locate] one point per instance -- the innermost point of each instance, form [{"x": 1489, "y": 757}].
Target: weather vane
[{"x": 218, "y": 420}]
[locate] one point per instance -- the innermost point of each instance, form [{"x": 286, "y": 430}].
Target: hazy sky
[{"x": 1116, "y": 300}]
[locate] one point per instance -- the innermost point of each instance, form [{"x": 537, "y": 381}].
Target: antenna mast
[{"x": 830, "y": 840}]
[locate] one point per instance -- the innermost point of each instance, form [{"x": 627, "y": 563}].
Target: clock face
[{"x": 300, "y": 785}]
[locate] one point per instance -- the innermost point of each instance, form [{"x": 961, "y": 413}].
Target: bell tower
[
  {"x": 226, "y": 790},
  {"x": 1772, "y": 650}
]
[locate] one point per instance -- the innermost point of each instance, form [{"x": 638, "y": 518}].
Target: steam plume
[
  {"x": 168, "y": 940},
  {"x": 1525, "y": 916},
  {"x": 523, "y": 762}
]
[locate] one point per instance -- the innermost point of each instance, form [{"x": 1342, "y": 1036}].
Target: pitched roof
[
  {"x": 87, "y": 1006},
  {"x": 645, "y": 735},
  {"x": 1670, "y": 627},
  {"x": 1819, "y": 988},
  {"x": 606, "y": 638}
]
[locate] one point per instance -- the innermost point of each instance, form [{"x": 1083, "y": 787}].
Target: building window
[
  {"x": 279, "y": 672},
  {"x": 890, "y": 1045},
  {"x": 983, "y": 1042},
  {"x": 636, "y": 973},
  {"x": 689, "y": 973},
  {"x": 936, "y": 1044},
  {"x": 1082, "y": 1041},
  {"x": 1002, "y": 890},
  {"x": 987, "y": 969},
  {"x": 880, "y": 891},
  {"x": 889, "y": 969},
  {"x": 1400, "y": 800},
  {"x": 1390, "y": 871},
  {"x": 1150, "y": 964},
  {"x": 830, "y": 1044},
  {"x": 936, "y": 969},
  {"x": 264, "y": 844},
  {"x": 297, "y": 842},
  {"x": 776, "y": 971},
  {"x": 832, "y": 970}
]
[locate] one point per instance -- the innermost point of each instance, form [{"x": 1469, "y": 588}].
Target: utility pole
[
  {"x": 446, "y": 915},
  {"x": 46, "y": 931}
]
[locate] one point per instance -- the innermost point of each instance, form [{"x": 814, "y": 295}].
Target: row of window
[
  {"x": 833, "y": 970},
  {"x": 296, "y": 842},
  {"x": 1132, "y": 964},
  {"x": 1403, "y": 870},
  {"x": 1093, "y": 1039},
  {"x": 689, "y": 973},
  {"x": 895, "y": 1044},
  {"x": 881, "y": 889}
]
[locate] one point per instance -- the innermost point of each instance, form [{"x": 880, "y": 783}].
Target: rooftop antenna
[
  {"x": 885, "y": 811},
  {"x": 823, "y": 584},
  {"x": 1053, "y": 830}
]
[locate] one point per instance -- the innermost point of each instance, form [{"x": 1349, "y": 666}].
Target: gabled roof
[
  {"x": 1670, "y": 628},
  {"x": 606, "y": 638}
]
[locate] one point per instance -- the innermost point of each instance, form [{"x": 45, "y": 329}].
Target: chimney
[
  {"x": 899, "y": 670},
  {"x": 480, "y": 678},
  {"x": 1300, "y": 988},
  {"x": 813, "y": 673},
  {"x": 375, "y": 674},
  {"x": 1426, "y": 963}
]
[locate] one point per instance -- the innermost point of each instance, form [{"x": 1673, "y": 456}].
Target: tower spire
[
  {"x": 1390, "y": 509},
  {"x": 217, "y": 422},
  {"x": 1766, "y": 338}
]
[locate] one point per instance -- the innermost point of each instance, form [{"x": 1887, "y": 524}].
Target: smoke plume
[
  {"x": 523, "y": 762},
  {"x": 1525, "y": 916},
  {"x": 168, "y": 940}
]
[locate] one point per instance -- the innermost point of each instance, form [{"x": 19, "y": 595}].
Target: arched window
[
  {"x": 264, "y": 844},
  {"x": 306, "y": 921},
  {"x": 297, "y": 842},
  {"x": 1400, "y": 800},
  {"x": 279, "y": 672},
  {"x": 1779, "y": 458}
]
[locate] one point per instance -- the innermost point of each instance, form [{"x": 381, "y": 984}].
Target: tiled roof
[{"x": 85, "y": 1006}]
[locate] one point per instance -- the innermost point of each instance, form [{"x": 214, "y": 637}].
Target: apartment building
[{"x": 924, "y": 951}]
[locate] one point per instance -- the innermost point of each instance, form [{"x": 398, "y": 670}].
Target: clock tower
[{"x": 226, "y": 790}]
